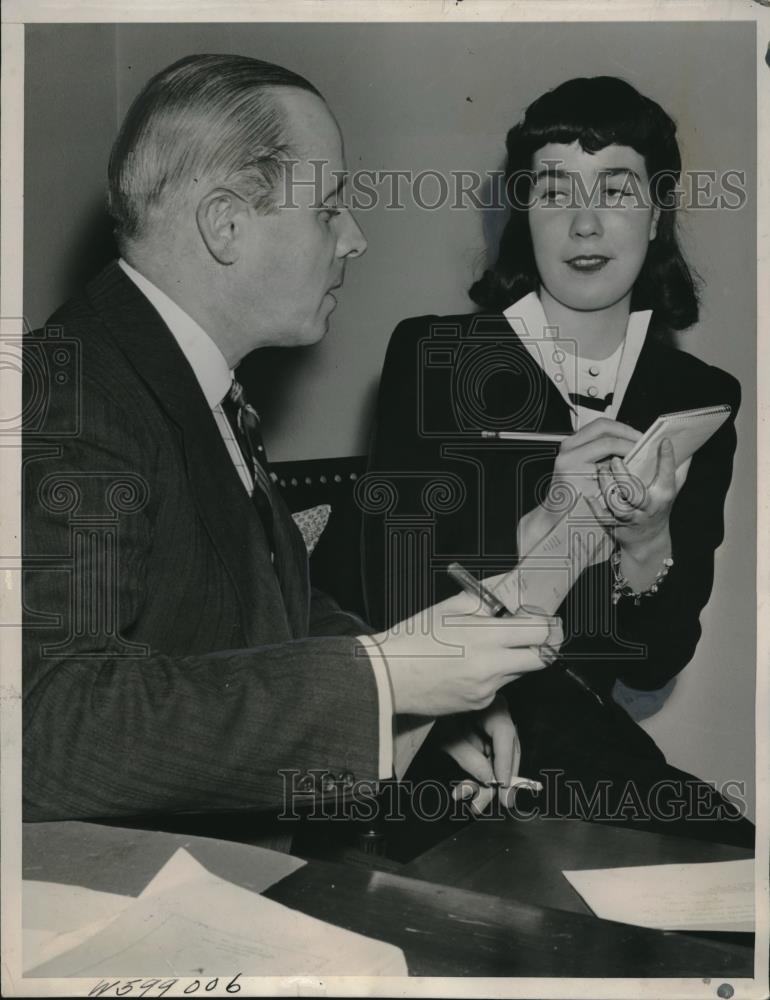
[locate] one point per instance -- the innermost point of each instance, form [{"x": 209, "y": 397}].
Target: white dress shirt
[{"x": 215, "y": 377}]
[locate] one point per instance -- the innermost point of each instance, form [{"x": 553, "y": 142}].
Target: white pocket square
[{"x": 311, "y": 523}]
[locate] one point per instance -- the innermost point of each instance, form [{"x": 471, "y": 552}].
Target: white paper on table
[
  {"x": 266, "y": 867},
  {"x": 56, "y": 918},
  {"x": 709, "y": 896},
  {"x": 193, "y": 923}
]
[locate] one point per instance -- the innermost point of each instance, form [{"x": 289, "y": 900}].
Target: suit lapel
[{"x": 228, "y": 514}]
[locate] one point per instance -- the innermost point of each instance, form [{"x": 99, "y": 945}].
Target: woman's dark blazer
[{"x": 436, "y": 490}]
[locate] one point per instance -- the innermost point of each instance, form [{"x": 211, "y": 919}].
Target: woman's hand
[
  {"x": 580, "y": 456},
  {"x": 639, "y": 514},
  {"x": 575, "y": 471}
]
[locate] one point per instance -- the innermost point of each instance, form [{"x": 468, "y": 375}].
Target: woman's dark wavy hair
[{"x": 596, "y": 112}]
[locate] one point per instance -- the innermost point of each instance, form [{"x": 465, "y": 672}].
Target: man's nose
[
  {"x": 351, "y": 241},
  {"x": 586, "y": 222}
]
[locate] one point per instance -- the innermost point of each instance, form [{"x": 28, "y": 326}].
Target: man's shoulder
[
  {"x": 77, "y": 328},
  {"x": 79, "y": 316},
  {"x": 77, "y": 361}
]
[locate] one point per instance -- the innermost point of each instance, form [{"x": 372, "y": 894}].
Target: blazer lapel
[
  {"x": 230, "y": 517},
  {"x": 526, "y": 395},
  {"x": 649, "y": 389}
]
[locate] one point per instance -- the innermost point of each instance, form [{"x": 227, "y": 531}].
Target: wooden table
[
  {"x": 443, "y": 930},
  {"x": 524, "y": 860}
]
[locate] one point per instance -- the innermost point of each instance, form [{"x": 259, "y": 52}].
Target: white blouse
[{"x": 572, "y": 374}]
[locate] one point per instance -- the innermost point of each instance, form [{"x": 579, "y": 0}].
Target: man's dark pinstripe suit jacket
[{"x": 166, "y": 670}]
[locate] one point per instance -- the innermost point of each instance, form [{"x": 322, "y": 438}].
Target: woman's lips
[{"x": 587, "y": 263}]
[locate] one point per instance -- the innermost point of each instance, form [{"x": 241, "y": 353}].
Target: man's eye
[{"x": 327, "y": 214}]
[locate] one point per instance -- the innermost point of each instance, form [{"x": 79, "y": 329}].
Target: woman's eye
[
  {"x": 615, "y": 195},
  {"x": 552, "y": 196}
]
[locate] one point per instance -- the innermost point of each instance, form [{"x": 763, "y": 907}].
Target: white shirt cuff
[{"x": 385, "y": 700}]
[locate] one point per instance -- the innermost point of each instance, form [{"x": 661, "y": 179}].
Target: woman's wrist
[
  {"x": 645, "y": 550},
  {"x": 641, "y": 561}
]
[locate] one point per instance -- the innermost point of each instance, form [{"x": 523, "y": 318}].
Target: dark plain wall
[{"x": 439, "y": 97}]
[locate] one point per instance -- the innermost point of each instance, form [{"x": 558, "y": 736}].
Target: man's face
[
  {"x": 589, "y": 251},
  {"x": 292, "y": 260}
]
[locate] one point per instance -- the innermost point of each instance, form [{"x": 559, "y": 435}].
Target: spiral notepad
[
  {"x": 687, "y": 430},
  {"x": 546, "y": 574}
]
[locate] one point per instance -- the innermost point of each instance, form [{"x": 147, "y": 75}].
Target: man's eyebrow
[
  {"x": 555, "y": 173},
  {"x": 342, "y": 176}
]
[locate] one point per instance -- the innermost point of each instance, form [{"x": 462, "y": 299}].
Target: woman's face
[{"x": 591, "y": 223}]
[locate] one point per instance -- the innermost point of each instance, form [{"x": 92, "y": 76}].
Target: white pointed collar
[
  {"x": 527, "y": 319},
  {"x": 204, "y": 357}
]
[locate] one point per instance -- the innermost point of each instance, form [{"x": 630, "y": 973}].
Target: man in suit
[{"x": 176, "y": 659}]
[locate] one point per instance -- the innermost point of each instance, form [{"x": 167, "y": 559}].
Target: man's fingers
[
  {"x": 503, "y": 741},
  {"x": 477, "y": 741},
  {"x": 480, "y": 797},
  {"x": 522, "y": 631},
  {"x": 516, "y": 762},
  {"x": 513, "y": 632},
  {"x": 460, "y": 603},
  {"x": 501, "y": 730},
  {"x": 472, "y": 760},
  {"x": 521, "y": 661}
]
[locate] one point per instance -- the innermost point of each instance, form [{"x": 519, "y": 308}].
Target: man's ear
[
  {"x": 220, "y": 216},
  {"x": 654, "y": 222}
]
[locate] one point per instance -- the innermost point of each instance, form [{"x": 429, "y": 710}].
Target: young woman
[{"x": 571, "y": 340}]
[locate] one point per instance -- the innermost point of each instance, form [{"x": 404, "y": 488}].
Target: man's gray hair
[{"x": 206, "y": 118}]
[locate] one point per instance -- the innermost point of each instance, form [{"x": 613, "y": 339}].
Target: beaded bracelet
[{"x": 622, "y": 588}]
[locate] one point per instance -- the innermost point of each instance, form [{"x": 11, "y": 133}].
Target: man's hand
[
  {"x": 486, "y": 745},
  {"x": 483, "y": 743},
  {"x": 450, "y": 658}
]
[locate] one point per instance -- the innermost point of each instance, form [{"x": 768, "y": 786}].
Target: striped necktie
[{"x": 244, "y": 421}]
